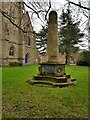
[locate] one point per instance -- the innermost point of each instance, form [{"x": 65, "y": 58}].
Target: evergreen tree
[
  {"x": 69, "y": 34},
  {"x": 41, "y": 39}
]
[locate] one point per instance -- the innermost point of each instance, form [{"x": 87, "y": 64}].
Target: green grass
[{"x": 22, "y": 100}]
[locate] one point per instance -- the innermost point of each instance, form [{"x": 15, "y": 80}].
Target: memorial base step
[
  {"x": 53, "y": 84},
  {"x": 64, "y": 81}
]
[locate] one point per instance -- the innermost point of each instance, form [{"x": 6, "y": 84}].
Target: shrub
[
  {"x": 15, "y": 64},
  {"x": 84, "y": 59},
  {"x": 82, "y": 63}
]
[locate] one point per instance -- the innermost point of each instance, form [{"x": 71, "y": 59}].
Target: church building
[{"x": 17, "y": 37}]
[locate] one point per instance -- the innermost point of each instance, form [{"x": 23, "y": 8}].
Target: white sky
[{"x": 58, "y": 4}]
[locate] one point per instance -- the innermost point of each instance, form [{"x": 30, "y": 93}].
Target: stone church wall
[{"x": 15, "y": 44}]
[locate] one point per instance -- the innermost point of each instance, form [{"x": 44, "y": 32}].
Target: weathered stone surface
[
  {"x": 53, "y": 69},
  {"x": 52, "y": 43}
]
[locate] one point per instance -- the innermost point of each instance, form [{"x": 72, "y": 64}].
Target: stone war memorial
[{"x": 52, "y": 72}]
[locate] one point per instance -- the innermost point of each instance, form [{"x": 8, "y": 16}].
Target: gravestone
[{"x": 52, "y": 72}]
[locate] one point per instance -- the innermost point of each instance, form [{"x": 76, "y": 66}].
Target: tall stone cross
[{"x": 52, "y": 44}]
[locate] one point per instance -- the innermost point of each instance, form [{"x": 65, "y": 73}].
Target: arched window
[{"x": 11, "y": 51}]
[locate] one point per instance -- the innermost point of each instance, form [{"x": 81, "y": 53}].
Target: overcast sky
[{"x": 58, "y": 5}]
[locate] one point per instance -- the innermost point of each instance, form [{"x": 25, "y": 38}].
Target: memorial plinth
[{"x": 52, "y": 72}]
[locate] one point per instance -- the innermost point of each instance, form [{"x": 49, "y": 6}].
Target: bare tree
[{"x": 39, "y": 11}]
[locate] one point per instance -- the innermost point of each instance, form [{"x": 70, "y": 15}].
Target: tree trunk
[{"x": 67, "y": 58}]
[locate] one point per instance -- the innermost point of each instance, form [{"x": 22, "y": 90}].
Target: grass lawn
[{"x": 22, "y": 100}]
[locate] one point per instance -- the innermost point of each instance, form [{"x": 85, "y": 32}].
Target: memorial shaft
[
  {"x": 52, "y": 72},
  {"x": 52, "y": 43}
]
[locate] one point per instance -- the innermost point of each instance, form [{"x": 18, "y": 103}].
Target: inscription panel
[{"x": 49, "y": 69}]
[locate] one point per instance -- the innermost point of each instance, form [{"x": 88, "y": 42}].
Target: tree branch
[
  {"x": 48, "y": 9},
  {"x": 78, "y": 5},
  {"x": 8, "y": 17},
  {"x": 31, "y": 9}
]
